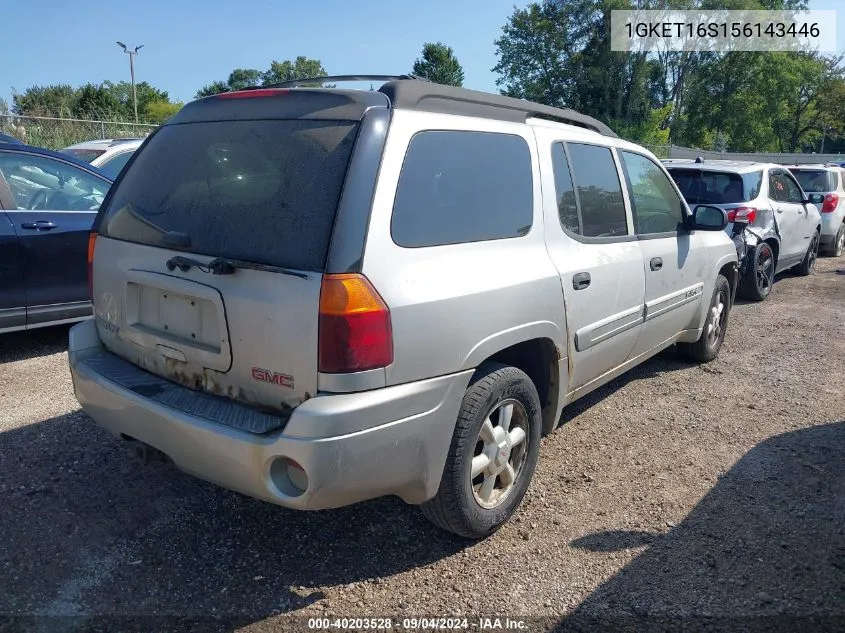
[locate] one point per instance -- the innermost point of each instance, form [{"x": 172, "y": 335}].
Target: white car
[
  {"x": 108, "y": 155},
  {"x": 829, "y": 182}
]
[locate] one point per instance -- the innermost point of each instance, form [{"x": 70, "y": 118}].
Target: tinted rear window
[
  {"x": 815, "y": 180},
  {"x": 263, "y": 191},
  {"x": 84, "y": 154},
  {"x": 459, "y": 187},
  {"x": 716, "y": 187}
]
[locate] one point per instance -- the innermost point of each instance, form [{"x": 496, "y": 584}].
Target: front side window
[
  {"x": 656, "y": 206},
  {"x": 599, "y": 191},
  {"x": 458, "y": 187},
  {"x": 41, "y": 183}
]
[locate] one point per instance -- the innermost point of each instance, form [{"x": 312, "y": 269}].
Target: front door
[
  {"x": 56, "y": 206},
  {"x": 673, "y": 262},
  {"x": 599, "y": 261}
]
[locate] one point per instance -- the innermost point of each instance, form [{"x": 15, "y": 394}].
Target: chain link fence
[{"x": 55, "y": 133}]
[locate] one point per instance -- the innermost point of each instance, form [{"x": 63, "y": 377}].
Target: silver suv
[
  {"x": 322, "y": 296},
  {"x": 828, "y": 182}
]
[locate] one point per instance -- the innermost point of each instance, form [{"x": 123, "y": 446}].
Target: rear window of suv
[
  {"x": 717, "y": 187},
  {"x": 263, "y": 191},
  {"x": 815, "y": 180}
]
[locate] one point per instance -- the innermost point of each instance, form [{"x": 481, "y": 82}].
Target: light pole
[{"x": 132, "y": 54}]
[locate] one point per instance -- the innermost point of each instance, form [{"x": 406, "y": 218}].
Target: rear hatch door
[{"x": 211, "y": 249}]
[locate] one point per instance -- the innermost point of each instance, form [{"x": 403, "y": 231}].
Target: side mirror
[
  {"x": 708, "y": 218},
  {"x": 814, "y": 198}
]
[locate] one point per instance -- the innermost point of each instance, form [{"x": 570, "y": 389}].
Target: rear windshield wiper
[{"x": 225, "y": 266}]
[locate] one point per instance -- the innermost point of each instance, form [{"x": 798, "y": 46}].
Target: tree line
[{"x": 557, "y": 52}]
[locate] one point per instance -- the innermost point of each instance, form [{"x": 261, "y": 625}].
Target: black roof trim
[
  {"x": 337, "y": 79},
  {"x": 432, "y": 97}
]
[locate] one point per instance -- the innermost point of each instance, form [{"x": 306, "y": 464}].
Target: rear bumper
[
  {"x": 390, "y": 441},
  {"x": 830, "y": 227}
]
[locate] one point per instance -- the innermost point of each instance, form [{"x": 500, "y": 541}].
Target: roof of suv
[
  {"x": 736, "y": 166},
  {"x": 402, "y": 92}
]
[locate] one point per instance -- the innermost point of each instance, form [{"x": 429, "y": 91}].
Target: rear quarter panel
[{"x": 453, "y": 306}]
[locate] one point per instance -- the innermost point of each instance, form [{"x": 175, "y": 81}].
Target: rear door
[
  {"x": 262, "y": 194},
  {"x": 56, "y": 204},
  {"x": 673, "y": 260},
  {"x": 790, "y": 215},
  {"x": 598, "y": 258}
]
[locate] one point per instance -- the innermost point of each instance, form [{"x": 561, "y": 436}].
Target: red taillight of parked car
[
  {"x": 355, "y": 333},
  {"x": 92, "y": 243},
  {"x": 830, "y": 202},
  {"x": 742, "y": 214}
]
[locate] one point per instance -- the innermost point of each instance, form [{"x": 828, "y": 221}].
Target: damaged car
[{"x": 774, "y": 224}]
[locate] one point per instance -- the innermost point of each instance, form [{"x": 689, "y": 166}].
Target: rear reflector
[
  {"x": 247, "y": 94},
  {"x": 92, "y": 243},
  {"x": 830, "y": 202},
  {"x": 355, "y": 333},
  {"x": 742, "y": 214}
]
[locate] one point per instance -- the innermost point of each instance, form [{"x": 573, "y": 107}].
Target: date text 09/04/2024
[
  {"x": 773, "y": 30},
  {"x": 418, "y": 624}
]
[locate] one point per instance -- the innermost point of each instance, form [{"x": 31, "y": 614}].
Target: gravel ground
[{"x": 677, "y": 496}]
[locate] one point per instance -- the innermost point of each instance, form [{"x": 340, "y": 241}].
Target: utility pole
[{"x": 132, "y": 54}]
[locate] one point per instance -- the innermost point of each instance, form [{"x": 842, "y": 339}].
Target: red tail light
[
  {"x": 746, "y": 214},
  {"x": 92, "y": 243},
  {"x": 354, "y": 326},
  {"x": 830, "y": 202},
  {"x": 246, "y": 94}
]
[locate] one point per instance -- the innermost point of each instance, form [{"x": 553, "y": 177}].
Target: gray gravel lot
[{"x": 677, "y": 496}]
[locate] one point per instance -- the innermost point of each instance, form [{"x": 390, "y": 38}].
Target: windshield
[
  {"x": 264, "y": 191},
  {"x": 716, "y": 187},
  {"x": 83, "y": 154},
  {"x": 815, "y": 180}
]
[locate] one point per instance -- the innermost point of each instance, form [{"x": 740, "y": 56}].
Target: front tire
[
  {"x": 759, "y": 274},
  {"x": 809, "y": 264},
  {"x": 707, "y": 347},
  {"x": 493, "y": 453}
]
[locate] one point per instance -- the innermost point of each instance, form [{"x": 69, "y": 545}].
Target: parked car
[
  {"x": 48, "y": 202},
  {"x": 774, "y": 224},
  {"x": 827, "y": 181},
  {"x": 322, "y": 296},
  {"x": 108, "y": 155}
]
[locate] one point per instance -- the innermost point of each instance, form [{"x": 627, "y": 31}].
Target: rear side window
[
  {"x": 599, "y": 191},
  {"x": 458, "y": 187},
  {"x": 717, "y": 187},
  {"x": 263, "y": 191},
  {"x": 816, "y": 180}
]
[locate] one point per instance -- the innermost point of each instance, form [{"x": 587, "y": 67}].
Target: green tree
[
  {"x": 300, "y": 68},
  {"x": 160, "y": 111},
  {"x": 95, "y": 102},
  {"x": 439, "y": 64},
  {"x": 122, "y": 92},
  {"x": 49, "y": 101},
  {"x": 214, "y": 88}
]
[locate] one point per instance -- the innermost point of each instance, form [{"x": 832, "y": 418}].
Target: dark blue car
[{"x": 48, "y": 202}]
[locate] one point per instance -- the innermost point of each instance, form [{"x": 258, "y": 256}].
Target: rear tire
[
  {"x": 707, "y": 347},
  {"x": 809, "y": 264},
  {"x": 838, "y": 243},
  {"x": 759, "y": 275},
  {"x": 497, "y": 438}
]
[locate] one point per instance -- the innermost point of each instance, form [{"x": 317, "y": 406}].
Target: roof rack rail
[
  {"x": 433, "y": 97},
  {"x": 293, "y": 83}
]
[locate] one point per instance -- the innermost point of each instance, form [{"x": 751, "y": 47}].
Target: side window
[
  {"x": 114, "y": 164},
  {"x": 778, "y": 190},
  {"x": 567, "y": 206},
  {"x": 793, "y": 191},
  {"x": 458, "y": 187},
  {"x": 39, "y": 183},
  {"x": 655, "y": 204},
  {"x": 599, "y": 191}
]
